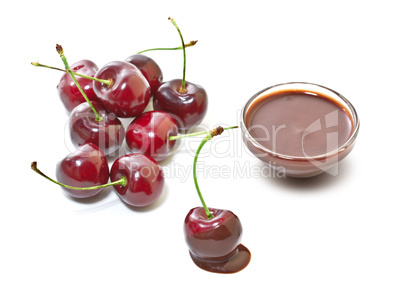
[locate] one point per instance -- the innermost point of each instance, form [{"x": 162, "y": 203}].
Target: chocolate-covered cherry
[
  {"x": 212, "y": 239},
  {"x": 107, "y": 133},
  {"x": 149, "y": 69},
  {"x": 128, "y": 92},
  {"x": 86, "y": 167},
  {"x": 68, "y": 91},
  {"x": 188, "y": 102},
  {"x": 213, "y": 235},
  {"x": 149, "y": 134},
  {"x": 144, "y": 176},
  {"x": 82, "y": 174}
]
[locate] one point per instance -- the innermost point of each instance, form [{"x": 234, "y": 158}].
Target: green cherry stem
[
  {"x": 63, "y": 58},
  {"x": 105, "y": 81},
  {"x": 190, "y": 44},
  {"x": 122, "y": 181},
  {"x": 197, "y": 133},
  {"x": 183, "y": 83},
  {"x": 214, "y": 132}
]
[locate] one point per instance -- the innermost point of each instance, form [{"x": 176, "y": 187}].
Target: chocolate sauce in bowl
[
  {"x": 298, "y": 123},
  {"x": 299, "y": 129}
]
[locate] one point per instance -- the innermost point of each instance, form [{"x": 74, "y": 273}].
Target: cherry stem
[
  {"x": 183, "y": 82},
  {"x": 104, "y": 81},
  {"x": 190, "y": 44},
  {"x": 196, "y": 133},
  {"x": 214, "y": 132},
  {"x": 63, "y": 58},
  {"x": 122, "y": 181}
]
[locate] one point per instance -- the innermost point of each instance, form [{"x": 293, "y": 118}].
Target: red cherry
[
  {"x": 214, "y": 243},
  {"x": 108, "y": 133},
  {"x": 149, "y": 69},
  {"x": 144, "y": 177},
  {"x": 215, "y": 238},
  {"x": 213, "y": 235},
  {"x": 187, "y": 102},
  {"x": 149, "y": 134},
  {"x": 189, "y": 108},
  {"x": 67, "y": 89},
  {"x": 86, "y": 167},
  {"x": 129, "y": 92}
]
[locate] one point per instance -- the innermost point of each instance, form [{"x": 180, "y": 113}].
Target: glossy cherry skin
[
  {"x": 149, "y": 69},
  {"x": 86, "y": 167},
  {"x": 213, "y": 239},
  {"x": 149, "y": 134},
  {"x": 129, "y": 92},
  {"x": 144, "y": 176},
  {"x": 67, "y": 89},
  {"x": 108, "y": 134},
  {"x": 189, "y": 108}
]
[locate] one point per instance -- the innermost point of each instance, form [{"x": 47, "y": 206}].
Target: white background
[{"x": 329, "y": 230}]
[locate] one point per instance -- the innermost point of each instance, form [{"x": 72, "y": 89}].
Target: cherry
[
  {"x": 128, "y": 92},
  {"x": 149, "y": 69},
  {"x": 189, "y": 107},
  {"x": 60, "y": 51},
  {"x": 213, "y": 242},
  {"x": 108, "y": 133},
  {"x": 154, "y": 133},
  {"x": 68, "y": 91},
  {"x": 72, "y": 74},
  {"x": 86, "y": 125},
  {"x": 145, "y": 179},
  {"x": 86, "y": 169},
  {"x": 137, "y": 178},
  {"x": 188, "y": 102},
  {"x": 213, "y": 235},
  {"x": 149, "y": 134}
]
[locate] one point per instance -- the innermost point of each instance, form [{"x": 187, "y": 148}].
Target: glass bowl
[{"x": 295, "y": 165}]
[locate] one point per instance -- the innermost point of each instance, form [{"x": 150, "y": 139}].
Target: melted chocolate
[
  {"x": 238, "y": 261},
  {"x": 299, "y": 123}
]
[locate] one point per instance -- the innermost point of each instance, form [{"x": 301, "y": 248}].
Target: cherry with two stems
[
  {"x": 213, "y": 235},
  {"x": 188, "y": 102}
]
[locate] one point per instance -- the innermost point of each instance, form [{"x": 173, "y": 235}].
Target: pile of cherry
[{"x": 96, "y": 99}]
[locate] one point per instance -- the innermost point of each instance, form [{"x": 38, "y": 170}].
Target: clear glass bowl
[{"x": 300, "y": 166}]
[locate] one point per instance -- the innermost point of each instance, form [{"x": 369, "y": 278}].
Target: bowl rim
[{"x": 344, "y": 101}]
